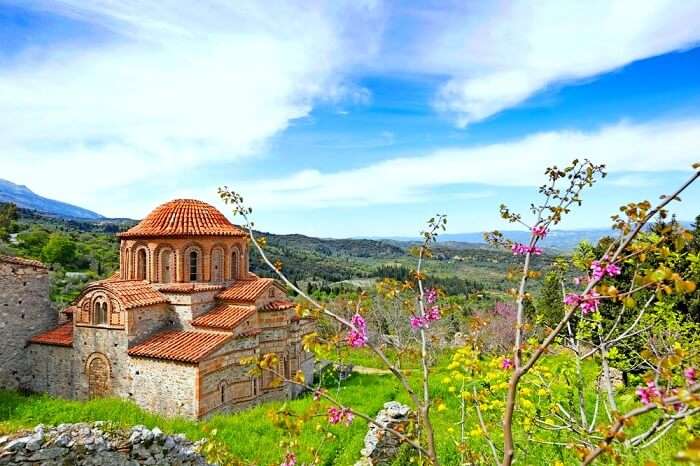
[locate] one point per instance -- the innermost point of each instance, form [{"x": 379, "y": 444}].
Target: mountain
[{"x": 23, "y": 197}]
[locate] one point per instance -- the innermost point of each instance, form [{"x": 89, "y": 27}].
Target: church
[{"x": 170, "y": 329}]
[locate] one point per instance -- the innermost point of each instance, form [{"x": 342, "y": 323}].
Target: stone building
[
  {"x": 25, "y": 310},
  {"x": 169, "y": 330}
]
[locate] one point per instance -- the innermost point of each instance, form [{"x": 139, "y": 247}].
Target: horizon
[{"x": 349, "y": 120}]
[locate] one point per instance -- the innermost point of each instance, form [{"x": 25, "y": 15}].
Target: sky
[{"x": 349, "y": 118}]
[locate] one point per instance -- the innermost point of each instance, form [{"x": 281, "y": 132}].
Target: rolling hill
[{"x": 24, "y": 197}]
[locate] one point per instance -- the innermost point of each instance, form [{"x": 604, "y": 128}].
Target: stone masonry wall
[
  {"x": 52, "y": 370},
  {"x": 164, "y": 387},
  {"x": 25, "y": 310}
]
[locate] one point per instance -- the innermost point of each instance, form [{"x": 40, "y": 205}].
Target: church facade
[{"x": 170, "y": 329}]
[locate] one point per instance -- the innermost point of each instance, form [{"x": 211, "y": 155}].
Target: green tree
[
  {"x": 60, "y": 249},
  {"x": 32, "y": 242},
  {"x": 8, "y": 218},
  {"x": 548, "y": 302}
]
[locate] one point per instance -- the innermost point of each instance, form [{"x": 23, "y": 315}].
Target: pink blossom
[
  {"x": 507, "y": 363},
  {"x": 690, "y": 375},
  {"x": 418, "y": 322},
  {"x": 520, "y": 249},
  {"x": 433, "y": 314},
  {"x": 588, "y": 303},
  {"x": 539, "y": 231},
  {"x": 338, "y": 415},
  {"x": 431, "y": 296},
  {"x": 572, "y": 299},
  {"x": 357, "y": 336},
  {"x": 648, "y": 393},
  {"x": 289, "y": 460},
  {"x": 600, "y": 271}
]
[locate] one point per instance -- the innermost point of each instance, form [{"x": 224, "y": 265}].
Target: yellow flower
[{"x": 441, "y": 407}]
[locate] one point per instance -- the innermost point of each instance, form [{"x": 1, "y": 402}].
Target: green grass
[{"x": 252, "y": 436}]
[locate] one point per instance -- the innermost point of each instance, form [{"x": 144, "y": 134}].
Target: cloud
[
  {"x": 624, "y": 148},
  {"x": 171, "y": 85},
  {"x": 498, "y": 54}
]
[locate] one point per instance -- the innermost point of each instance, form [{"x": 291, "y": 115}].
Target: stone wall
[
  {"x": 165, "y": 387},
  {"x": 144, "y": 322},
  {"x": 25, "y": 310},
  {"x": 52, "y": 370},
  {"x": 112, "y": 345}
]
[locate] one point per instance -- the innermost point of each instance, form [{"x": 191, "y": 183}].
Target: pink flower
[
  {"x": 690, "y": 375},
  {"x": 431, "y": 296},
  {"x": 600, "y": 271},
  {"x": 357, "y": 336},
  {"x": 506, "y": 364},
  {"x": 520, "y": 249},
  {"x": 338, "y": 415},
  {"x": 289, "y": 460},
  {"x": 613, "y": 270},
  {"x": 648, "y": 393},
  {"x": 539, "y": 231},
  {"x": 418, "y": 322},
  {"x": 433, "y": 314},
  {"x": 572, "y": 299},
  {"x": 588, "y": 303}
]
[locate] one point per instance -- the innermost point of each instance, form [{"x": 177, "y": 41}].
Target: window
[
  {"x": 165, "y": 270},
  {"x": 254, "y": 388},
  {"x": 99, "y": 312},
  {"x": 217, "y": 265},
  {"x": 234, "y": 264},
  {"x": 271, "y": 293},
  {"x": 222, "y": 392},
  {"x": 194, "y": 258},
  {"x": 141, "y": 264}
]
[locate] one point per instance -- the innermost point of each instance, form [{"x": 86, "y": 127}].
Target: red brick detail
[
  {"x": 180, "y": 345},
  {"x": 59, "y": 336},
  {"x": 278, "y": 306},
  {"x": 224, "y": 316},
  {"x": 183, "y": 218},
  {"x": 246, "y": 291},
  {"x": 187, "y": 288},
  {"x": 22, "y": 261},
  {"x": 132, "y": 293}
]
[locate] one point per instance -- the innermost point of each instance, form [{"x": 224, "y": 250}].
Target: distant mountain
[{"x": 23, "y": 197}]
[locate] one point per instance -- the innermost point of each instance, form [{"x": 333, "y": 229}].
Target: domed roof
[{"x": 183, "y": 217}]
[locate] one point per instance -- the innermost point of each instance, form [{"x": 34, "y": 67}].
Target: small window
[
  {"x": 271, "y": 293},
  {"x": 141, "y": 264},
  {"x": 99, "y": 313},
  {"x": 254, "y": 389},
  {"x": 194, "y": 257},
  {"x": 222, "y": 392}
]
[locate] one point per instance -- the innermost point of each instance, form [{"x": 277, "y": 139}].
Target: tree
[
  {"x": 8, "y": 217},
  {"x": 59, "y": 249},
  {"x": 32, "y": 241}
]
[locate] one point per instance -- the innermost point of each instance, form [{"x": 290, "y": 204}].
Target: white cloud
[
  {"x": 174, "y": 85},
  {"x": 640, "y": 148},
  {"x": 497, "y": 54}
]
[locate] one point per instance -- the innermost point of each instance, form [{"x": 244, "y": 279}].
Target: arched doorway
[{"x": 98, "y": 375}]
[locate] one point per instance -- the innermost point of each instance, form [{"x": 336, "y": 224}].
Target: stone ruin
[
  {"x": 382, "y": 447},
  {"x": 99, "y": 444}
]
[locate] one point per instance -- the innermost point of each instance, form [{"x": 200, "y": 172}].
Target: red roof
[
  {"x": 278, "y": 306},
  {"x": 59, "y": 336},
  {"x": 179, "y": 345},
  {"x": 187, "y": 288},
  {"x": 22, "y": 261},
  {"x": 183, "y": 217},
  {"x": 247, "y": 290},
  {"x": 132, "y": 293},
  {"x": 224, "y": 316}
]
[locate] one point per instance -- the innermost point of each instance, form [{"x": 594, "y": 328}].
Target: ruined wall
[
  {"x": 53, "y": 369},
  {"x": 25, "y": 310},
  {"x": 165, "y": 387}
]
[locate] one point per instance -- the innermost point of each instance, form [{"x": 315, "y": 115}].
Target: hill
[{"x": 23, "y": 197}]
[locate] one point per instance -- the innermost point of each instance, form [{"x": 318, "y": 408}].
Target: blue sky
[{"x": 349, "y": 119}]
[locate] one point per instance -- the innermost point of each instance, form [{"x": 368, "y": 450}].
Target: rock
[
  {"x": 48, "y": 454},
  {"x": 381, "y": 446}
]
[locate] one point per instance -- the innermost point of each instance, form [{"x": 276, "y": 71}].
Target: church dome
[{"x": 181, "y": 218}]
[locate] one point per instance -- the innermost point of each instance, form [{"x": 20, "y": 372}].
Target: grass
[{"x": 252, "y": 436}]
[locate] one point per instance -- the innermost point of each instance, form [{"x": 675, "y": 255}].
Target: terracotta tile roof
[
  {"x": 59, "y": 336},
  {"x": 224, "y": 316},
  {"x": 22, "y": 261},
  {"x": 179, "y": 345},
  {"x": 246, "y": 291},
  {"x": 132, "y": 293},
  {"x": 70, "y": 310},
  {"x": 278, "y": 306},
  {"x": 187, "y": 288},
  {"x": 184, "y": 217}
]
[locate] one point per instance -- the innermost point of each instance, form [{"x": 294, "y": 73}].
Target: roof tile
[
  {"x": 187, "y": 288},
  {"x": 184, "y": 217},
  {"x": 224, "y": 316},
  {"x": 22, "y": 261},
  {"x": 132, "y": 293},
  {"x": 58, "y": 336},
  {"x": 246, "y": 291},
  {"x": 179, "y": 345},
  {"x": 278, "y": 305}
]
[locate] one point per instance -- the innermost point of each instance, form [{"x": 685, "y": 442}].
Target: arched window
[
  {"x": 222, "y": 392},
  {"x": 141, "y": 264},
  {"x": 235, "y": 263},
  {"x": 194, "y": 269},
  {"x": 217, "y": 265},
  {"x": 166, "y": 274},
  {"x": 99, "y": 312}
]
